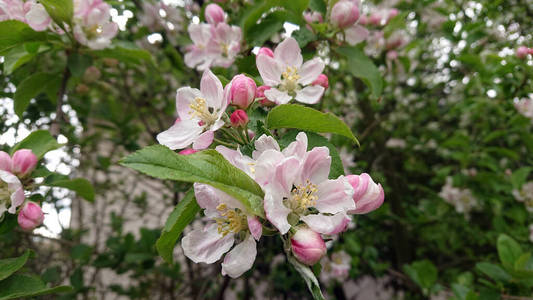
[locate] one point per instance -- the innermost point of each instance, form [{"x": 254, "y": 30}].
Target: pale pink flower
[
  {"x": 288, "y": 76},
  {"x": 265, "y": 51},
  {"x": 296, "y": 186},
  {"x": 12, "y": 10},
  {"x": 197, "y": 54},
  {"x": 30, "y": 12},
  {"x": 336, "y": 268},
  {"x": 233, "y": 224},
  {"x": 525, "y": 107},
  {"x": 11, "y": 192},
  {"x": 368, "y": 196},
  {"x": 92, "y": 25},
  {"x": 313, "y": 17},
  {"x": 307, "y": 246},
  {"x": 30, "y": 216},
  {"x": 24, "y": 162},
  {"x": 200, "y": 113},
  {"x": 522, "y": 52},
  {"x": 225, "y": 44}
]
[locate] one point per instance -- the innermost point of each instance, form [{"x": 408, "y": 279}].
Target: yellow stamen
[
  {"x": 232, "y": 220},
  {"x": 199, "y": 109},
  {"x": 290, "y": 79},
  {"x": 302, "y": 197}
]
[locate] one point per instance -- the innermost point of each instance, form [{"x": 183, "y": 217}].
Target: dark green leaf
[
  {"x": 257, "y": 34},
  {"x": 180, "y": 217},
  {"x": 78, "y": 63},
  {"x": 9, "y": 266},
  {"x": 31, "y": 87},
  {"x": 14, "y": 33},
  {"x": 207, "y": 167},
  {"x": 423, "y": 272},
  {"x": 61, "y": 11},
  {"x": 508, "y": 250},
  {"x": 360, "y": 66},
  {"x": 22, "y": 286},
  {"x": 305, "y": 118},
  {"x": 319, "y": 6},
  {"x": 493, "y": 271},
  {"x": 125, "y": 52},
  {"x": 39, "y": 142}
]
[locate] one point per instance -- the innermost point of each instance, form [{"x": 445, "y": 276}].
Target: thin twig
[{"x": 54, "y": 128}]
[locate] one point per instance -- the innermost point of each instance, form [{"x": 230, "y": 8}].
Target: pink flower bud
[
  {"x": 242, "y": 92},
  {"x": 368, "y": 196},
  {"x": 6, "y": 163},
  {"x": 322, "y": 80},
  {"x": 308, "y": 246},
  {"x": 239, "y": 118},
  {"x": 344, "y": 13},
  {"x": 363, "y": 20},
  {"x": 522, "y": 52},
  {"x": 187, "y": 151},
  {"x": 260, "y": 94},
  {"x": 375, "y": 19},
  {"x": 392, "y": 55},
  {"x": 214, "y": 14},
  {"x": 24, "y": 162},
  {"x": 30, "y": 216},
  {"x": 265, "y": 51},
  {"x": 313, "y": 17}
]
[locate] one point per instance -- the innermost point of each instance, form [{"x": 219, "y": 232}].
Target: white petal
[
  {"x": 204, "y": 140},
  {"x": 276, "y": 212},
  {"x": 310, "y": 94},
  {"x": 240, "y": 259},
  {"x": 180, "y": 135},
  {"x": 297, "y": 148},
  {"x": 276, "y": 95},
  {"x": 212, "y": 89},
  {"x": 327, "y": 224},
  {"x": 206, "y": 245},
  {"x": 310, "y": 71},
  {"x": 334, "y": 196},
  {"x": 289, "y": 53},
  {"x": 316, "y": 165},
  {"x": 269, "y": 69},
  {"x": 184, "y": 97},
  {"x": 264, "y": 143},
  {"x": 356, "y": 34}
]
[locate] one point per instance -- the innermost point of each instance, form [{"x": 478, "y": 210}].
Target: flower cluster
[
  {"x": 215, "y": 43},
  {"x": 525, "y": 194},
  {"x": 336, "y": 268},
  {"x": 12, "y": 170},
  {"x": 92, "y": 23},
  {"x": 525, "y": 107},
  {"x": 523, "y": 51},
  {"x": 461, "y": 199},
  {"x": 160, "y": 16},
  {"x": 30, "y": 12}
]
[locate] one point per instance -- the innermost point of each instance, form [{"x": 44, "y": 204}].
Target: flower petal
[
  {"x": 310, "y": 94},
  {"x": 184, "y": 97},
  {"x": 206, "y": 196},
  {"x": 180, "y": 135},
  {"x": 265, "y": 168},
  {"x": 289, "y": 53},
  {"x": 262, "y": 144},
  {"x": 255, "y": 227},
  {"x": 277, "y": 96},
  {"x": 269, "y": 69},
  {"x": 240, "y": 259},
  {"x": 276, "y": 212},
  {"x": 356, "y": 34},
  {"x": 297, "y": 148},
  {"x": 315, "y": 166},
  {"x": 204, "y": 140},
  {"x": 327, "y": 224},
  {"x": 310, "y": 71},
  {"x": 206, "y": 244},
  {"x": 334, "y": 196},
  {"x": 200, "y": 33},
  {"x": 212, "y": 89},
  {"x": 236, "y": 158}
]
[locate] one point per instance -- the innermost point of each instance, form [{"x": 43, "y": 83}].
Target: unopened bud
[
  {"x": 187, "y": 151},
  {"x": 265, "y": 51},
  {"x": 344, "y": 13},
  {"x": 239, "y": 118},
  {"x": 308, "y": 246},
  {"x": 214, "y": 14},
  {"x": 242, "y": 92},
  {"x": 368, "y": 195},
  {"x": 30, "y": 216},
  {"x": 24, "y": 162},
  {"x": 321, "y": 80}
]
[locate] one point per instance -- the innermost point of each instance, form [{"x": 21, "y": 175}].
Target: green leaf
[
  {"x": 15, "y": 58},
  {"x": 395, "y": 24},
  {"x": 296, "y": 6},
  {"x": 78, "y": 63},
  {"x": 423, "y": 272},
  {"x": 31, "y": 87},
  {"x": 9, "y": 266},
  {"x": 303, "y": 36},
  {"x": 306, "y": 118},
  {"x": 522, "y": 261},
  {"x": 316, "y": 140},
  {"x": 7, "y": 222},
  {"x": 180, "y": 217},
  {"x": 39, "y": 142},
  {"x": 20, "y": 286},
  {"x": 308, "y": 276},
  {"x": 519, "y": 177},
  {"x": 207, "y": 166},
  {"x": 509, "y": 250},
  {"x": 257, "y": 34},
  {"x": 319, "y": 6},
  {"x": 61, "y": 11},
  {"x": 125, "y": 52},
  {"x": 493, "y": 271},
  {"x": 81, "y": 186},
  {"x": 360, "y": 66},
  {"x": 14, "y": 33}
]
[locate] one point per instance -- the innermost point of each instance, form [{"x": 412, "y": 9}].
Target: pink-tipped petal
[
  {"x": 327, "y": 224},
  {"x": 269, "y": 69},
  {"x": 356, "y": 34},
  {"x": 276, "y": 212},
  {"x": 310, "y": 71},
  {"x": 264, "y": 143},
  {"x": 297, "y": 148},
  {"x": 204, "y": 140},
  {"x": 180, "y": 135},
  {"x": 206, "y": 245},
  {"x": 289, "y": 53},
  {"x": 240, "y": 259},
  {"x": 315, "y": 166},
  {"x": 6, "y": 163},
  {"x": 334, "y": 196},
  {"x": 310, "y": 94},
  {"x": 255, "y": 227}
]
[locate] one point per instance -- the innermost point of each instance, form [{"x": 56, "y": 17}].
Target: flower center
[
  {"x": 200, "y": 110},
  {"x": 4, "y": 192},
  {"x": 289, "y": 83},
  {"x": 302, "y": 197},
  {"x": 232, "y": 220},
  {"x": 93, "y": 31},
  {"x": 225, "y": 49}
]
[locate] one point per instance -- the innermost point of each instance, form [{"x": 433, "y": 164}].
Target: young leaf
[
  {"x": 308, "y": 276},
  {"x": 493, "y": 271},
  {"x": 360, "y": 66},
  {"x": 61, "y": 11},
  {"x": 81, "y": 186},
  {"x": 207, "y": 166},
  {"x": 31, "y": 87},
  {"x": 125, "y": 52},
  {"x": 9, "y": 266},
  {"x": 24, "y": 286},
  {"x": 14, "y": 33},
  {"x": 39, "y": 142},
  {"x": 306, "y": 118},
  {"x": 423, "y": 272},
  {"x": 508, "y": 250},
  {"x": 180, "y": 217}
]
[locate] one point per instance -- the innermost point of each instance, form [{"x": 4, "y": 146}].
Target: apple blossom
[
  {"x": 297, "y": 187},
  {"x": 313, "y": 17},
  {"x": 522, "y": 52},
  {"x": 344, "y": 13},
  {"x": 461, "y": 199},
  {"x": 197, "y": 55},
  {"x": 525, "y": 107},
  {"x": 307, "y": 246},
  {"x": 92, "y": 25},
  {"x": 368, "y": 196},
  {"x": 355, "y": 34},
  {"x": 200, "y": 113},
  {"x": 30, "y": 12},
  {"x": 242, "y": 92},
  {"x": 24, "y": 162},
  {"x": 288, "y": 77},
  {"x": 30, "y": 216},
  {"x": 214, "y": 14},
  {"x": 11, "y": 192},
  {"x": 233, "y": 224},
  {"x": 322, "y": 80},
  {"x": 239, "y": 118},
  {"x": 336, "y": 268},
  {"x": 225, "y": 44},
  {"x": 265, "y": 51}
]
